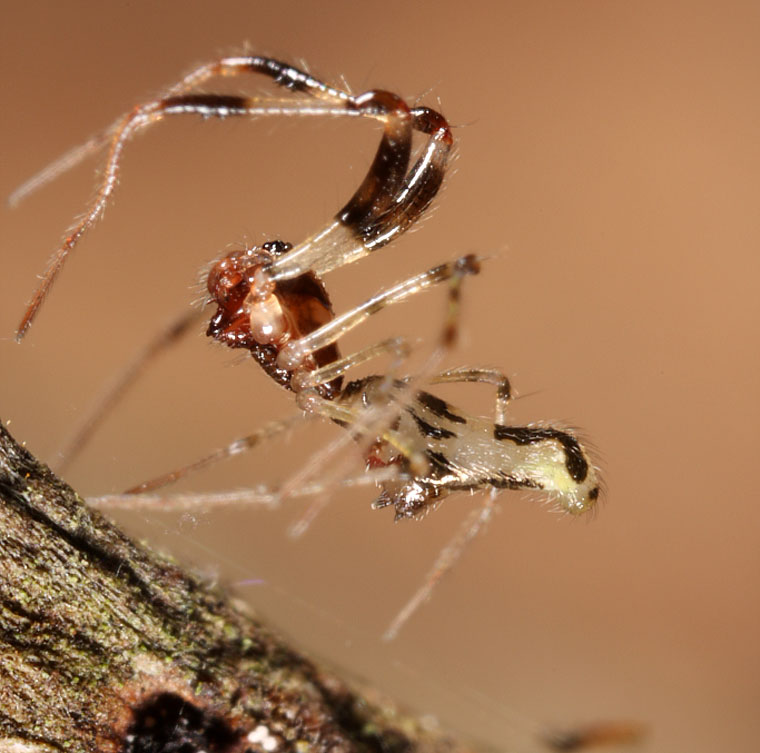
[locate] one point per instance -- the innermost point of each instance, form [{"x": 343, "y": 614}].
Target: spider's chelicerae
[{"x": 271, "y": 301}]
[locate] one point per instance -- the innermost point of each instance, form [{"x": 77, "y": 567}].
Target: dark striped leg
[
  {"x": 295, "y": 353},
  {"x": 170, "y": 336},
  {"x": 477, "y": 518},
  {"x": 447, "y": 558},
  {"x": 387, "y": 179},
  {"x": 375, "y": 215},
  {"x": 398, "y": 347},
  {"x": 239, "y": 446}
]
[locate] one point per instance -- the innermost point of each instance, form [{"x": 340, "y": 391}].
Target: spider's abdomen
[{"x": 470, "y": 453}]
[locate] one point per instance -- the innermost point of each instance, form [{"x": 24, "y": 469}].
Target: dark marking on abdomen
[
  {"x": 439, "y": 407},
  {"x": 575, "y": 463},
  {"x": 438, "y": 461},
  {"x": 428, "y": 430}
]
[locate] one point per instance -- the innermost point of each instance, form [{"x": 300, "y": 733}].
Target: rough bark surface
[{"x": 106, "y": 646}]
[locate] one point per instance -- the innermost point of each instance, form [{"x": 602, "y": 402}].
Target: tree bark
[{"x": 107, "y": 646}]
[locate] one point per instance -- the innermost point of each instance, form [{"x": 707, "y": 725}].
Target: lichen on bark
[{"x": 107, "y": 646}]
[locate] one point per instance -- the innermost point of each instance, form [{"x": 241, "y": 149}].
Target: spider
[{"x": 271, "y": 301}]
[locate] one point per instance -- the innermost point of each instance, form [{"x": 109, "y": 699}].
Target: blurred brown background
[{"x": 608, "y": 167}]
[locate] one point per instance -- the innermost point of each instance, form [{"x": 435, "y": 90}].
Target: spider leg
[
  {"x": 385, "y": 181},
  {"x": 396, "y": 346},
  {"x": 448, "y": 557},
  {"x": 60, "y": 165},
  {"x": 258, "y": 495},
  {"x": 485, "y": 376},
  {"x": 381, "y": 209},
  {"x": 244, "y": 444},
  {"x": 282, "y": 73},
  {"x": 171, "y": 335},
  {"x": 206, "y": 105},
  {"x": 293, "y": 354}
]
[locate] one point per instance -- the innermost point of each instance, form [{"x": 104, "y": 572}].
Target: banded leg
[
  {"x": 384, "y": 193},
  {"x": 398, "y": 347},
  {"x": 448, "y": 557},
  {"x": 485, "y": 376},
  {"x": 287, "y": 76},
  {"x": 239, "y": 446},
  {"x": 260, "y": 494},
  {"x": 170, "y": 336},
  {"x": 294, "y": 353},
  {"x": 363, "y": 226}
]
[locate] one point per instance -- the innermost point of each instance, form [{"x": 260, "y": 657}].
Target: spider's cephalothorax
[{"x": 262, "y": 316}]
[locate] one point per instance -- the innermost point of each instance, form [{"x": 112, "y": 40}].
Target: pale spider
[{"x": 272, "y": 302}]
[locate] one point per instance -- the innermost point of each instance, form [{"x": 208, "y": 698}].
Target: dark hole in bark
[{"x": 167, "y": 723}]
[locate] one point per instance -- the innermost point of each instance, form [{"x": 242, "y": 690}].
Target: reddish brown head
[{"x": 261, "y": 315}]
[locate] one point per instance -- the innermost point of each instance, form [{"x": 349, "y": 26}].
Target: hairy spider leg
[
  {"x": 296, "y": 351},
  {"x": 386, "y": 196},
  {"x": 368, "y": 223},
  {"x": 446, "y": 560},
  {"x": 484, "y": 376},
  {"x": 238, "y": 446},
  {"x": 289, "y": 77},
  {"x": 258, "y": 494},
  {"x": 477, "y": 519},
  {"x": 396, "y": 346},
  {"x": 164, "y": 340}
]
